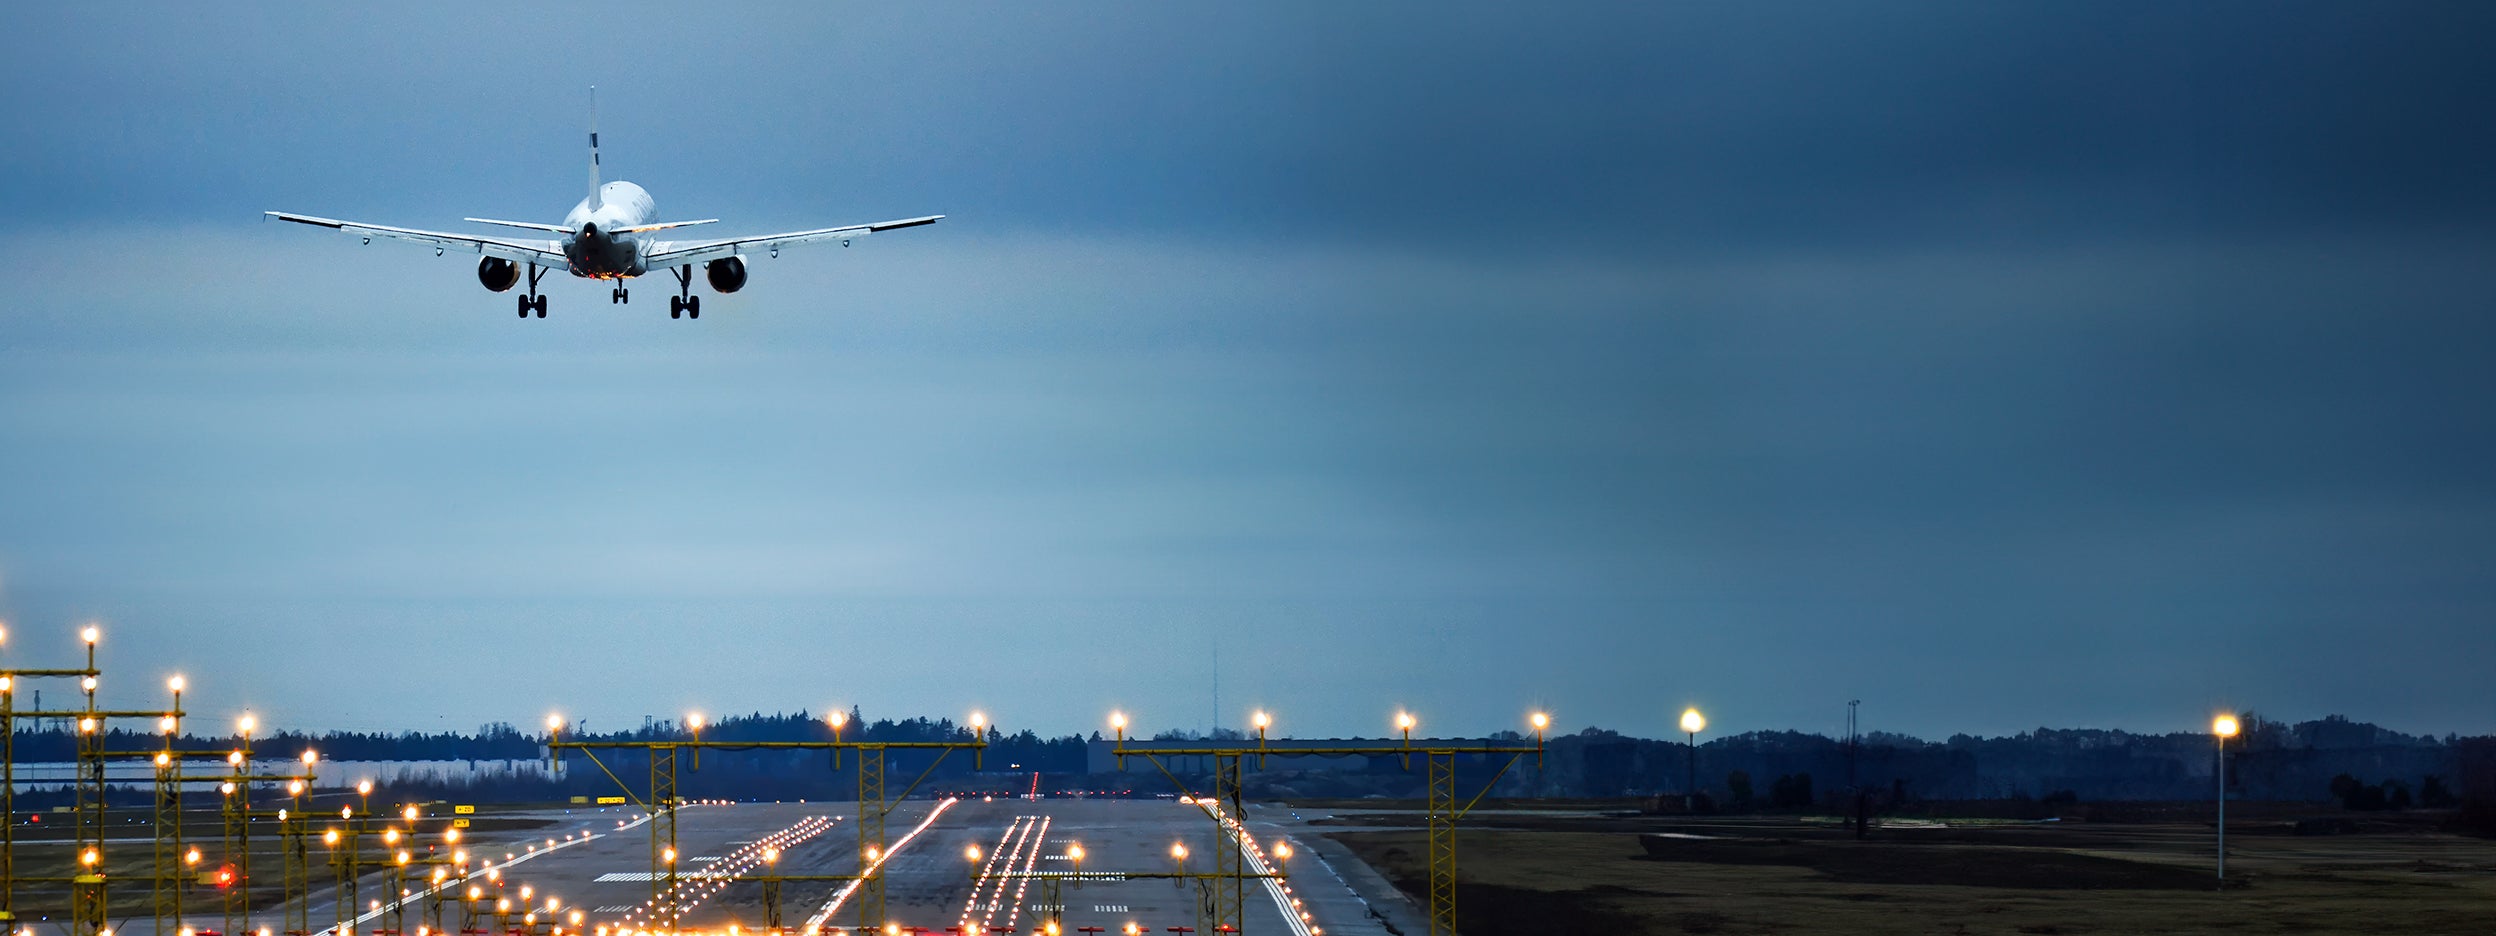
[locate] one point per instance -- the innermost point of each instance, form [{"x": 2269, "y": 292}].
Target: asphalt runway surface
[{"x": 597, "y": 862}]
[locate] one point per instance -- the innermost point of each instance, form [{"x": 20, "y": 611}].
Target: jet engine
[
  {"x": 497, "y": 273},
  {"x": 727, "y": 275}
]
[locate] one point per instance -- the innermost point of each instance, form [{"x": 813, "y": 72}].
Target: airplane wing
[
  {"x": 679, "y": 253},
  {"x": 544, "y": 253}
]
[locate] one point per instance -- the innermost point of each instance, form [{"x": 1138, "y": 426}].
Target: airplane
[{"x": 606, "y": 237}]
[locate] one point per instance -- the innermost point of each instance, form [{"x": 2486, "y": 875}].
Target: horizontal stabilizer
[
  {"x": 524, "y": 225},
  {"x": 664, "y": 225}
]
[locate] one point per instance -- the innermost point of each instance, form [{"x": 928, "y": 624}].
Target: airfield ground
[
  {"x": 1587, "y": 872},
  {"x": 1358, "y": 871}
]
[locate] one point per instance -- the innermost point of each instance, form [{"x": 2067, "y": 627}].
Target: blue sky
[{"x": 2090, "y": 364}]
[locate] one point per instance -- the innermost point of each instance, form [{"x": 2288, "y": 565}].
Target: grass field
[{"x": 1595, "y": 873}]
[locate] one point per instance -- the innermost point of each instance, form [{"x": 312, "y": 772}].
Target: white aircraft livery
[{"x": 607, "y": 236}]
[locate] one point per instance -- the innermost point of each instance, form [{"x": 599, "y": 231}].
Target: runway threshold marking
[
  {"x": 1022, "y": 884},
  {"x": 987, "y": 871},
  {"x": 709, "y": 882},
  {"x": 1021, "y": 846}
]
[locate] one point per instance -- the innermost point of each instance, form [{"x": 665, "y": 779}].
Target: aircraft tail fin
[{"x": 594, "y": 200}]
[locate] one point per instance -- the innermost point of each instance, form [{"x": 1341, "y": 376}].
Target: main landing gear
[
  {"x": 534, "y": 301},
  {"x": 684, "y": 303},
  {"x": 619, "y": 295}
]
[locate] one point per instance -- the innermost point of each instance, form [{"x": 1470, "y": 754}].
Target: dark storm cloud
[{"x": 2006, "y": 365}]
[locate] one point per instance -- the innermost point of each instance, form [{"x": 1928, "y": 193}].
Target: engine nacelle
[
  {"x": 727, "y": 275},
  {"x": 498, "y": 274}
]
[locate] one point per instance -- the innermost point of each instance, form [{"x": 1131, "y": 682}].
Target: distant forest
[{"x": 2362, "y": 765}]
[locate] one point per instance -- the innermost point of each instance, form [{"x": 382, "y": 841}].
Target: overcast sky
[{"x": 1999, "y": 365}]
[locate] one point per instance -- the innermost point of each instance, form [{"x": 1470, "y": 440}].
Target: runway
[{"x": 598, "y": 866}]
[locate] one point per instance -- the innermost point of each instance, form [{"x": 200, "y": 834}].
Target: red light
[{"x": 225, "y": 876}]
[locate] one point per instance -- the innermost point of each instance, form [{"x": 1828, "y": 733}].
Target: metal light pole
[
  {"x": 1692, "y": 723},
  {"x": 1852, "y": 746},
  {"x": 2223, "y": 727}
]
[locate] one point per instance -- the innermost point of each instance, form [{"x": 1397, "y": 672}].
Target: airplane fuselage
[{"x": 594, "y": 247}]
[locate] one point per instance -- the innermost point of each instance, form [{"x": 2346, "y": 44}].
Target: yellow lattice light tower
[
  {"x": 873, "y": 804},
  {"x": 88, "y": 877},
  {"x": 1439, "y": 759},
  {"x": 177, "y": 861},
  {"x": 169, "y": 869}
]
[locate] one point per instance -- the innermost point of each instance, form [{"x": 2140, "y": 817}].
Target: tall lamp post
[
  {"x": 1692, "y": 723},
  {"x": 1852, "y": 745},
  {"x": 2223, "y": 727}
]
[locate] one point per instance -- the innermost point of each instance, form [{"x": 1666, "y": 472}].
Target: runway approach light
[
  {"x": 554, "y": 721},
  {"x": 1262, "y": 720},
  {"x": 2224, "y": 726},
  {"x": 979, "y": 720},
  {"x": 311, "y": 757},
  {"x": 1541, "y": 721},
  {"x": 91, "y": 634},
  {"x": 838, "y": 719},
  {"x": 1692, "y": 722},
  {"x": 693, "y": 720},
  {"x": 971, "y": 852},
  {"x": 175, "y": 683}
]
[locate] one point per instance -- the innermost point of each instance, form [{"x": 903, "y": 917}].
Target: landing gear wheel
[
  {"x": 684, "y": 300},
  {"x": 524, "y": 307},
  {"x": 540, "y": 303}
]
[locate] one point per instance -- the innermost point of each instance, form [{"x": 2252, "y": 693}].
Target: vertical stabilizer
[{"x": 594, "y": 201}]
